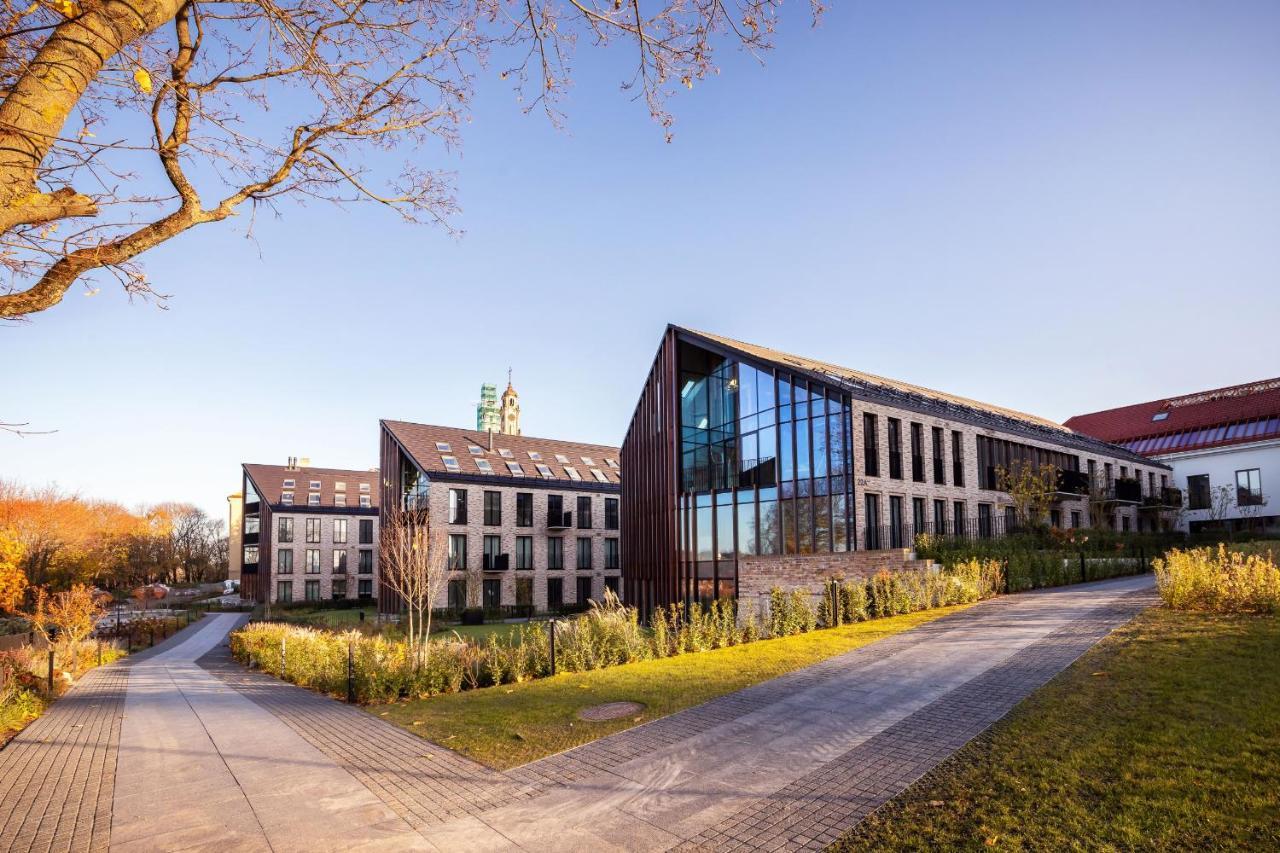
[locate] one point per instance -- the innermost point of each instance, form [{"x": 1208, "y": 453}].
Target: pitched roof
[
  {"x": 585, "y": 460},
  {"x": 269, "y": 480},
  {"x": 1215, "y": 418}
]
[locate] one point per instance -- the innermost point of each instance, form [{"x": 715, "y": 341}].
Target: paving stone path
[{"x": 210, "y": 754}]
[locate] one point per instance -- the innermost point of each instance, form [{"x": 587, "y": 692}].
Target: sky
[{"x": 1053, "y": 207}]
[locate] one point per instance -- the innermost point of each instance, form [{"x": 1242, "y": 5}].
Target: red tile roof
[
  {"x": 1222, "y": 416},
  {"x": 269, "y": 481},
  {"x": 585, "y": 459}
]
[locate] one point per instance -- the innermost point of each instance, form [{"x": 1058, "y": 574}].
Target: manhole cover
[{"x": 610, "y": 711}]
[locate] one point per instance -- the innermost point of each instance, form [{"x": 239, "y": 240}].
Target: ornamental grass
[{"x": 1220, "y": 580}]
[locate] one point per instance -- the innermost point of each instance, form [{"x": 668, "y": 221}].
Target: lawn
[
  {"x": 513, "y": 724},
  {"x": 343, "y": 619},
  {"x": 1165, "y": 736}
]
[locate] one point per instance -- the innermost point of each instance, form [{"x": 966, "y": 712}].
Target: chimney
[
  {"x": 490, "y": 441},
  {"x": 290, "y": 463}
]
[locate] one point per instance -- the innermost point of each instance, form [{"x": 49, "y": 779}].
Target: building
[
  {"x": 1223, "y": 446},
  {"x": 235, "y": 532},
  {"x": 488, "y": 417},
  {"x": 748, "y": 468},
  {"x": 533, "y": 520},
  {"x": 510, "y": 409},
  {"x": 309, "y": 534}
]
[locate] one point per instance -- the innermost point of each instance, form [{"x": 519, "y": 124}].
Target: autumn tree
[
  {"x": 241, "y": 104},
  {"x": 1030, "y": 487},
  {"x": 413, "y": 560},
  {"x": 13, "y": 580}
]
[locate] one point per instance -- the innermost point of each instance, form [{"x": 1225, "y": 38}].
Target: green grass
[
  {"x": 504, "y": 631},
  {"x": 328, "y": 617},
  {"x": 513, "y": 724},
  {"x": 1166, "y": 736}
]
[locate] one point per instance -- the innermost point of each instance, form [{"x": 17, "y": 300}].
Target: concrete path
[{"x": 202, "y": 767}]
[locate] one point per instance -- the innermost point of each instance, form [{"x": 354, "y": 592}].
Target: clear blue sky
[{"x": 1055, "y": 207}]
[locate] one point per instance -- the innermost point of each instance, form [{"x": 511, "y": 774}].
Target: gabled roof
[
  {"x": 420, "y": 441},
  {"x": 269, "y": 481},
  {"x": 1216, "y": 418},
  {"x": 893, "y": 392}
]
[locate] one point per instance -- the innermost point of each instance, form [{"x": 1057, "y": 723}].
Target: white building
[{"x": 1223, "y": 446}]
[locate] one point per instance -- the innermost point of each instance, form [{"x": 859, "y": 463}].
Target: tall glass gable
[{"x": 765, "y": 468}]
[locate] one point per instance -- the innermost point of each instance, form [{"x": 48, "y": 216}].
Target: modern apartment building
[
  {"x": 534, "y": 520},
  {"x": 1223, "y": 446},
  {"x": 308, "y": 534},
  {"x": 747, "y": 466}
]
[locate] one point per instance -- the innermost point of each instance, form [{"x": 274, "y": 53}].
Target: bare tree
[
  {"x": 1030, "y": 487},
  {"x": 239, "y": 104},
  {"x": 413, "y": 560}
]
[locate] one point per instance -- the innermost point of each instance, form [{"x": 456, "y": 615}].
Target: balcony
[
  {"x": 1072, "y": 485},
  {"x": 559, "y": 520},
  {"x": 496, "y": 562},
  {"x": 1123, "y": 491},
  {"x": 1164, "y": 499}
]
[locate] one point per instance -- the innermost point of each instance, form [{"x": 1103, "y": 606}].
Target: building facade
[
  {"x": 235, "y": 532},
  {"x": 532, "y": 522},
  {"x": 488, "y": 416},
  {"x": 308, "y": 534},
  {"x": 742, "y": 458},
  {"x": 1223, "y": 446}
]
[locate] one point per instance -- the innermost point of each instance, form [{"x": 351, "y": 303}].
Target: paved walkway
[{"x": 210, "y": 754}]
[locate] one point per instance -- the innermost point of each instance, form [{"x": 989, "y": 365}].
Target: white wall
[{"x": 1221, "y": 465}]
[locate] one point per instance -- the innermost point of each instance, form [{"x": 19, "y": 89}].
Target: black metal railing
[
  {"x": 1072, "y": 483},
  {"x": 1165, "y": 497},
  {"x": 939, "y": 470},
  {"x": 496, "y": 562},
  {"x": 560, "y": 520},
  {"x": 917, "y": 468},
  {"x": 1123, "y": 490},
  {"x": 895, "y": 464}
]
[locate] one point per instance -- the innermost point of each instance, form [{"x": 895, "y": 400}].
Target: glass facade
[{"x": 765, "y": 468}]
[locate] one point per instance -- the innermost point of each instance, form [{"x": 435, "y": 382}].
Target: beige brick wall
[
  {"x": 475, "y": 530},
  {"x": 326, "y": 546},
  {"x": 757, "y": 575}
]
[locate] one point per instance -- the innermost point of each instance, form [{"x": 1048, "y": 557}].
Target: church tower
[{"x": 510, "y": 411}]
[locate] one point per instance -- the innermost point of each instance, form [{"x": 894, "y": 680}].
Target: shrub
[{"x": 1223, "y": 581}]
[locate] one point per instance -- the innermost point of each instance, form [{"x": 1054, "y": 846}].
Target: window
[
  {"x": 895, "y": 448},
  {"x": 611, "y": 558},
  {"x": 443, "y": 447},
  {"x": 315, "y": 485},
  {"x": 1198, "y": 491},
  {"x": 506, "y": 454},
  {"x": 584, "y": 589},
  {"x": 313, "y": 561},
  {"x": 917, "y": 516},
  {"x": 1249, "y": 488},
  {"x": 534, "y": 455},
  {"x": 492, "y": 550},
  {"x": 515, "y": 469},
  {"x": 313, "y": 530},
  {"x": 338, "y": 588},
  {"x": 289, "y": 484},
  {"x": 284, "y": 590},
  {"x": 457, "y": 506},
  {"x": 588, "y": 461},
  {"x": 599, "y": 475},
  {"x": 584, "y": 552},
  {"x": 286, "y": 498},
  {"x": 1159, "y": 416},
  {"x": 612, "y": 585},
  {"x": 313, "y": 499},
  {"x": 895, "y": 521},
  {"x": 251, "y": 555},
  {"x": 1055, "y": 518},
  {"x": 939, "y": 462},
  {"x": 313, "y": 590},
  {"x": 340, "y": 562},
  {"x": 524, "y": 552},
  {"x": 562, "y": 459},
  {"x": 339, "y": 500},
  {"x": 584, "y": 512},
  {"x": 524, "y": 509},
  {"x": 984, "y": 520},
  {"x": 493, "y": 509},
  {"x": 870, "y": 446},
  {"x": 940, "y": 517},
  {"x": 872, "y": 504},
  {"x": 545, "y": 471},
  {"x": 610, "y": 513},
  {"x": 364, "y": 487},
  {"x": 1075, "y": 518},
  {"x": 555, "y": 593},
  {"x": 284, "y": 529},
  {"x": 284, "y": 561},
  {"x": 492, "y": 593},
  {"x": 572, "y": 472},
  {"x": 339, "y": 486},
  {"x": 365, "y": 589},
  {"x": 450, "y": 463},
  {"x": 484, "y": 466},
  {"x": 958, "y": 518},
  {"x": 612, "y": 463},
  {"x": 366, "y": 561},
  {"x": 339, "y": 531},
  {"x": 524, "y": 592},
  {"x": 366, "y": 501},
  {"x": 458, "y": 552},
  {"x": 366, "y": 531},
  {"x": 917, "y": 452},
  {"x": 957, "y": 458},
  {"x": 555, "y": 552},
  {"x": 457, "y": 594},
  {"x": 475, "y": 451}
]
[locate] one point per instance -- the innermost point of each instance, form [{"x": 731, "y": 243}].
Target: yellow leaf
[
  {"x": 142, "y": 78},
  {"x": 68, "y": 8},
  {"x": 688, "y": 82}
]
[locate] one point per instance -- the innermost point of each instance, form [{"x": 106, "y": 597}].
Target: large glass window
[
  {"x": 584, "y": 552},
  {"x": 524, "y": 552},
  {"x": 284, "y": 561},
  {"x": 457, "y": 506},
  {"x": 493, "y": 509},
  {"x": 313, "y": 530},
  {"x": 870, "y": 446},
  {"x": 747, "y": 533},
  {"x": 1249, "y": 487},
  {"x": 895, "y": 448},
  {"x": 895, "y": 522},
  {"x": 524, "y": 509},
  {"x": 1198, "y": 491},
  {"x": 584, "y": 512},
  {"x": 610, "y": 513},
  {"x": 492, "y": 550},
  {"x": 366, "y": 531},
  {"x": 284, "y": 528},
  {"x": 458, "y": 552},
  {"x": 555, "y": 552},
  {"x": 917, "y": 452},
  {"x": 872, "y": 521},
  {"x": 339, "y": 531},
  {"x": 611, "y": 553}
]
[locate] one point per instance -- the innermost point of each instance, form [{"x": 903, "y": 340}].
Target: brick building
[
  {"x": 537, "y": 518},
  {"x": 746, "y": 464},
  {"x": 308, "y": 534}
]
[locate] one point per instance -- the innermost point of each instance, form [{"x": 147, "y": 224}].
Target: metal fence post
[
  {"x": 351, "y": 672},
  {"x": 1082, "y": 574},
  {"x": 1006, "y": 575},
  {"x": 551, "y": 626},
  {"x": 51, "y": 670},
  {"x": 99, "y": 651}
]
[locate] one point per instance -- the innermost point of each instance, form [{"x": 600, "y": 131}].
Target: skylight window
[
  {"x": 288, "y": 484},
  {"x": 484, "y": 466},
  {"x": 1159, "y": 416},
  {"x": 588, "y": 461},
  {"x": 450, "y": 463},
  {"x": 475, "y": 451},
  {"x": 365, "y": 501},
  {"x": 562, "y": 459},
  {"x": 612, "y": 463},
  {"x": 443, "y": 447},
  {"x": 572, "y": 472},
  {"x": 315, "y": 485},
  {"x": 364, "y": 487},
  {"x": 339, "y": 486},
  {"x": 514, "y": 468},
  {"x": 313, "y": 499},
  {"x": 506, "y": 454},
  {"x": 339, "y": 500},
  {"x": 599, "y": 475},
  {"x": 534, "y": 455},
  {"x": 545, "y": 471},
  {"x": 286, "y": 498}
]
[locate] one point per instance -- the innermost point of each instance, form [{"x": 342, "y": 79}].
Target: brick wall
[{"x": 757, "y": 575}]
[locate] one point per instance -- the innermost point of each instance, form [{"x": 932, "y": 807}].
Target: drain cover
[{"x": 610, "y": 711}]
